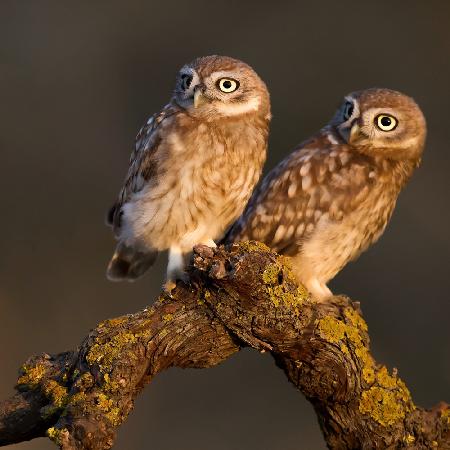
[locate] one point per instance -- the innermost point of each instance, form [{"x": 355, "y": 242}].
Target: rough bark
[{"x": 244, "y": 295}]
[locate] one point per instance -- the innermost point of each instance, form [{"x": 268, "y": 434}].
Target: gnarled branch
[{"x": 243, "y": 295}]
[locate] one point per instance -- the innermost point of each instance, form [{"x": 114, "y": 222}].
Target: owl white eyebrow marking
[{"x": 241, "y": 108}]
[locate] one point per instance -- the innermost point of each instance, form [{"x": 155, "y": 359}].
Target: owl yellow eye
[
  {"x": 385, "y": 122},
  {"x": 227, "y": 85}
]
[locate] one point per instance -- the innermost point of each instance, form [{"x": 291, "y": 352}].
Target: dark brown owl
[
  {"x": 334, "y": 195},
  {"x": 194, "y": 167}
]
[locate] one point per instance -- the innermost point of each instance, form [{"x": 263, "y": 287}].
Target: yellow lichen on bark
[
  {"x": 274, "y": 277},
  {"x": 253, "y": 246},
  {"x": 56, "y": 393},
  {"x": 104, "y": 354},
  {"x": 388, "y": 400},
  {"x": 31, "y": 375},
  {"x": 57, "y": 435},
  {"x": 347, "y": 334},
  {"x": 109, "y": 409}
]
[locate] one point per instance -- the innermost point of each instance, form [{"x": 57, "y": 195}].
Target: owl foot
[
  {"x": 169, "y": 286},
  {"x": 319, "y": 291},
  {"x": 209, "y": 243},
  {"x": 171, "y": 283}
]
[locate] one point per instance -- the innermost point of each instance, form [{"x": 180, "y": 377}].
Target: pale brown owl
[
  {"x": 334, "y": 195},
  {"x": 194, "y": 167}
]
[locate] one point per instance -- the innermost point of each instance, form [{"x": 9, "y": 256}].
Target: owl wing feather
[
  {"x": 143, "y": 162},
  {"x": 318, "y": 180}
]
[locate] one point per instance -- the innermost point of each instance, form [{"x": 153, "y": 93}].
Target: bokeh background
[{"x": 77, "y": 80}]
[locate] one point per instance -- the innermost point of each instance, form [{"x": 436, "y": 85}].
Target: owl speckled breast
[
  {"x": 194, "y": 167},
  {"x": 334, "y": 195}
]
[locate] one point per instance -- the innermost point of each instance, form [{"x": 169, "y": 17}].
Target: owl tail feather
[{"x": 129, "y": 264}]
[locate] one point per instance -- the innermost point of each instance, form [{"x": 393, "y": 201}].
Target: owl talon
[{"x": 169, "y": 286}]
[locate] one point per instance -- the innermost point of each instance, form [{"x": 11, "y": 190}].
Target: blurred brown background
[{"x": 77, "y": 81}]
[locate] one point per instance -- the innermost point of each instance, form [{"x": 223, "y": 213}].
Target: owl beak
[
  {"x": 199, "y": 97},
  {"x": 354, "y": 133}
]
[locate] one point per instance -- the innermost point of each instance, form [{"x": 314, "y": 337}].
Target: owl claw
[{"x": 170, "y": 284}]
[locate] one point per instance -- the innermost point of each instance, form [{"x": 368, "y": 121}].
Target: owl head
[
  {"x": 382, "y": 122},
  {"x": 214, "y": 87}
]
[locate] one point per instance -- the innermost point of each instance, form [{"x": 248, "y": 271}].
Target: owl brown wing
[
  {"x": 143, "y": 161},
  {"x": 316, "y": 181}
]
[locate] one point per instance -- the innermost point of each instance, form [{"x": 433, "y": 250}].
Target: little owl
[
  {"x": 331, "y": 198},
  {"x": 194, "y": 167}
]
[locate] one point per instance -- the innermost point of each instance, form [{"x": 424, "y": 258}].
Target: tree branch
[{"x": 243, "y": 295}]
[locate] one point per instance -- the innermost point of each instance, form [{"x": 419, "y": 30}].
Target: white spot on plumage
[
  {"x": 292, "y": 190},
  {"x": 306, "y": 182},
  {"x": 331, "y": 139},
  {"x": 304, "y": 170},
  {"x": 279, "y": 234},
  {"x": 289, "y": 232},
  {"x": 344, "y": 157},
  {"x": 300, "y": 229},
  {"x": 331, "y": 164}
]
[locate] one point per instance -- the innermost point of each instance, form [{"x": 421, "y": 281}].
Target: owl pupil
[
  {"x": 227, "y": 84},
  {"x": 386, "y": 121}
]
